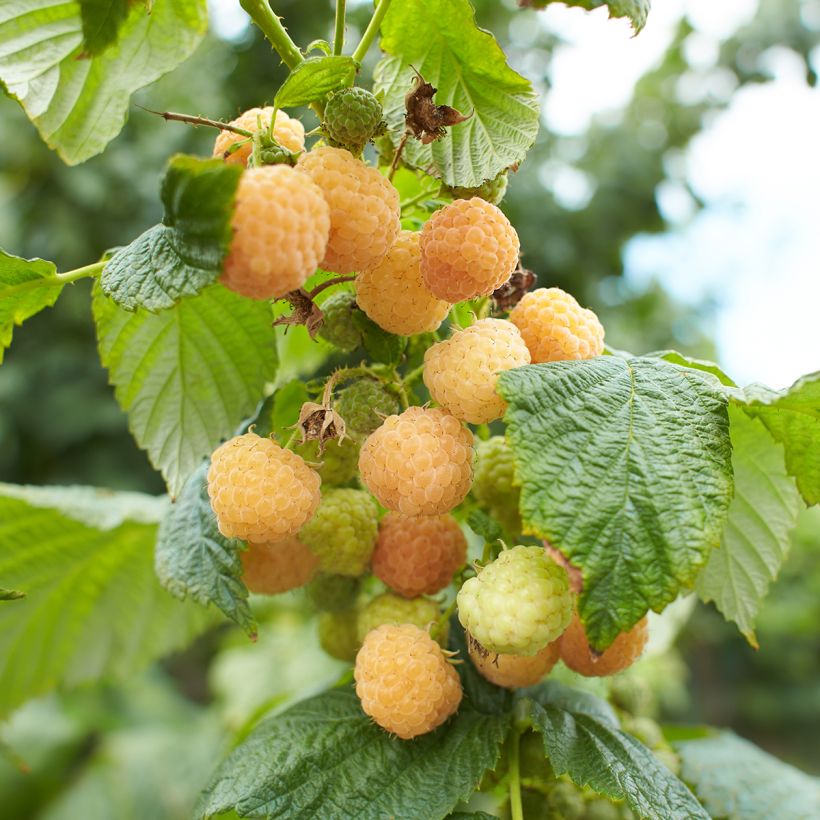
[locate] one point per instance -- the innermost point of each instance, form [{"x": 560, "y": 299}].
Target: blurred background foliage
[{"x": 143, "y": 750}]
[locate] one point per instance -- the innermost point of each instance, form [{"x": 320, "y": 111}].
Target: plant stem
[
  {"x": 371, "y": 31},
  {"x": 339, "y": 280},
  {"x": 442, "y": 622},
  {"x": 516, "y": 809},
  {"x": 413, "y": 375},
  {"x": 57, "y": 279},
  {"x": 408, "y": 203},
  {"x": 397, "y": 156},
  {"x": 339, "y": 36},
  {"x": 270, "y": 24},
  {"x": 192, "y": 120}
]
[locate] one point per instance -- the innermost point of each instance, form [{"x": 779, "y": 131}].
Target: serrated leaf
[
  {"x": 93, "y": 606},
  {"x": 18, "y": 300},
  {"x": 441, "y": 40},
  {"x": 756, "y": 537},
  {"x": 736, "y": 780},
  {"x": 79, "y": 103},
  {"x": 636, "y": 11},
  {"x": 379, "y": 345},
  {"x": 325, "y": 758},
  {"x": 194, "y": 559},
  {"x": 102, "y": 20},
  {"x": 484, "y": 525},
  {"x": 315, "y": 79},
  {"x": 189, "y": 375},
  {"x": 184, "y": 254},
  {"x": 582, "y": 740},
  {"x": 625, "y": 466}
]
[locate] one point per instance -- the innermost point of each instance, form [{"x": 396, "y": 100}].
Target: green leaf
[
  {"x": 582, "y": 739},
  {"x": 636, "y": 11},
  {"x": 194, "y": 559},
  {"x": 184, "y": 254},
  {"x": 625, "y": 466},
  {"x": 19, "y": 299},
  {"x": 315, "y": 79},
  {"x": 189, "y": 375},
  {"x": 78, "y": 102},
  {"x": 484, "y": 525},
  {"x": 102, "y": 20},
  {"x": 93, "y": 606},
  {"x": 736, "y": 780},
  {"x": 756, "y": 538},
  {"x": 440, "y": 39},
  {"x": 379, "y": 345},
  {"x": 687, "y": 361},
  {"x": 325, "y": 758}
]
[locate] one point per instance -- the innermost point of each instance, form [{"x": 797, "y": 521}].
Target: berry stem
[
  {"x": 413, "y": 375},
  {"x": 339, "y": 280},
  {"x": 409, "y": 203},
  {"x": 442, "y": 622},
  {"x": 339, "y": 36},
  {"x": 192, "y": 120},
  {"x": 516, "y": 809},
  {"x": 58, "y": 279},
  {"x": 371, "y": 31},
  {"x": 270, "y": 24}
]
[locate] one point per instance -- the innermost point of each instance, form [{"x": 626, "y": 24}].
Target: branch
[
  {"x": 192, "y": 120},
  {"x": 270, "y": 24},
  {"x": 371, "y": 31}
]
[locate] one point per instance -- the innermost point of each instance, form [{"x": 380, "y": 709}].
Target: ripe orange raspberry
[
  {"x": 289, "y": 133},
  {"x": 271, "y": 568},
  {"x": 462, "y": 371},
  {"x": 418, "y": 463},
  {"x": 513, "y": 671},
  {"x": 468, "y": 249},
  {"x": 281, "y": 224},
  {"x": 555, "y": 327},
  {"x": 418, "y": 555},
  {"x": 404, "y": 681},
  {"x": 624, "y": 651},
  {"x": 259, "y": 491},
  {"x": 364, "y": 208},
  {"x": 394, "y": 295}
]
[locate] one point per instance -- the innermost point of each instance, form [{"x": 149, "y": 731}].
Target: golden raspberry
[
  {"x": 418, "y": 555},
  {"x": 259, "y": 491},
  {"x": 364, "y": 208},
  {"x": 462, "y": 371},
  {"x": 278, "y": 566},
  {"x": 555, "y": 327},
  {"x": 281, "y": 224},
  {"x": 404, "y": 681},
  {"x": 468, "y": 249},
  {"x": 288, "y": 132},
  {"x": 513, "y": 671},
  {"x": 624, "y": 651},
  {"x": 394, "y": 295},
  {"x": 419, "y": 463}
]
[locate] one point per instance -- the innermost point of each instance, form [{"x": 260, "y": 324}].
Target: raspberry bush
[{"x": 332, "y": 354}]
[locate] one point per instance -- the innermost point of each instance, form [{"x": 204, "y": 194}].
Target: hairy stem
[
  {"x": 339, "y": 35},
  {"x": 270, "y": 24},
  {"x": 192, "y": 120},
  {"x": 371, "y": 31},
  {"x": 58, "y": 279},
  {"x": 516, "y": 809}
]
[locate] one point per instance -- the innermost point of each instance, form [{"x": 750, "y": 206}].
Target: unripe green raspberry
[
  {"x": 393, "y": 609},
  {"x": 492, "y": 190},
  {"x": 518, "y": 603},
  {"x": 353, "y": 116},
  {"x": 342, "y": 532},
  {"x": 645, "y": 729},
  {"x": 566, "y": 800},
  {"x": 337, "y": 634},
  {"x": 494, "y": 483},
  {"x": 332, "y": 593},
  {"x": 338, "y": 325},
  {"x": 337, "y": 465},
  {"x": 601, "y": 809},
  {"x": 363, "y": 405}
]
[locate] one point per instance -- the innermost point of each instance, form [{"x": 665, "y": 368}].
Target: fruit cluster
[{"x": 372, "y": 507}]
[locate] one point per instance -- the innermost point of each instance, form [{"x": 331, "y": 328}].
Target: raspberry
[
  {"x": 363, "y": 405},
  {"x": 352, "y": 117},
  {"x": 491, "y": 191},
  {"x": 269, "y": 569},
  {"x": 624, "y": 651},
  {"x": 281, "y": 224},
  {"x": 404, "y": 681},
  {"x": 288, "y": 132},
  {"x": 337, "y": 634},
  {"x": 394, "y": 295},
  {"x": 419, "y": 462},
  {"x": 418, "y": 556},
  {"x": 332, "y": 593},
  {"x": 513, "y": 671},
  {"x": 468, "y": 249},
  {"x": 342, "y": 532},
  {"x": 555, "y": 327},
  {"x": 338, "y": 464},
  {"x": 495, "y": 487},
  {"x": 259, "y": 491},
  {"x": 338, "y": 326},
  {"x": 364, "y": 208},
  {"x": 518, "y": 603},
  {"x": 462, "y": 371},
  {"x": 391, "y": 609}
]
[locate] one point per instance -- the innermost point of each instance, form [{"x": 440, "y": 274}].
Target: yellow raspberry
[
  {"x": 394, "y": 295},
  {"x": 418, "y": 463},
  {"x": 468, "y": 249},
  {"x": 513, "y": 671},
  {"x": 404, "y": 681},
  {"x": 281, "y": 224},
  {"x": 259, "y": 491},
  {"x": 288, "y": 132},
  {"x": 418, "y": 555},
  {"x": 364, "y": 208},
  {"x": 462, "y": 371},
  {"x": 555, "y": 327},
  {"x": 621, "y": 654},
  {"x": 279, "y": 566}
]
